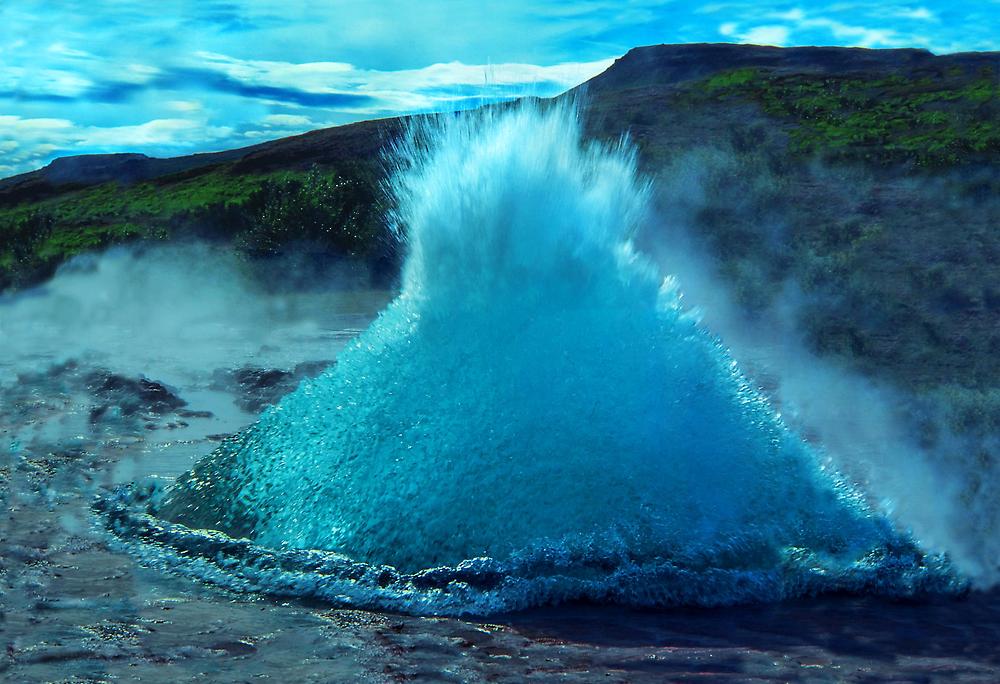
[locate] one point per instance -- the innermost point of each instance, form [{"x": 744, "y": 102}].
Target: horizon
[{"x": 216, "y": 76}]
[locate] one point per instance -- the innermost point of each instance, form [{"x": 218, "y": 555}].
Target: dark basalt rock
[
  {"x": 131, "y": 395},
  {"x": 114, "y": 404},
  {"x": 257, "y": 387},
  {"x": 186, "y": 413}
]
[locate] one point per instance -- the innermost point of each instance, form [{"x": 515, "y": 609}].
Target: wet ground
[{"x": 75, "y": 609}]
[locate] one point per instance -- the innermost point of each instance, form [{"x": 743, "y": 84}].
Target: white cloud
[
  {"x": 156, "y": 132},
  {"x": 59, "y": 82},
  {"x": 313, "y": 77},
  {"x": 334, "y": 77},
  {"x": 43, "y": 149},
  {"x": 30, "y": 141},
  {"x": 65, "y": 51},
  {"x": 791, "y": 15},
  {"x": 195, "y": 123},
  {"x": 255, "y": 135},
  {"x": 137, "y": 73},
  {"x": 16, "y": 128},
  {"x": 405, "y": 90},
  {"x": 855, "y": 36},
  {"x": 797, "y": 22},
  {"x": 766, "y": 35},
  {"x": 917, "y": 13},
  {"x": 184, "y": 105},
  {"x": 286, "y": 120}
]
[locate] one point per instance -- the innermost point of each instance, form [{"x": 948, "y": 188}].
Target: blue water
[{"x": 533, "y": 419}]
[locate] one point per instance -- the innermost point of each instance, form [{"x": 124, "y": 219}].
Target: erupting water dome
[{"x": 533, "y": 419}]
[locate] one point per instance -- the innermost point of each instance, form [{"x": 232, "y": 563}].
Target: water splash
[{"x": 533, "y": 419}]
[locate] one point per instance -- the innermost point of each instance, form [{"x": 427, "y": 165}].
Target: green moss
[
  {"x": 983, "y": 90},
  {"x": 64, "y": 244},
  {"x": 259, "y": 211},
  {"x": 732, "y": 79},
  {"x": 930, "y": 121},
  {"x": 155, "y": 201}
]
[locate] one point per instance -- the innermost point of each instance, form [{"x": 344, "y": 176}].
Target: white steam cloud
[
  {"x": 171, "y": 313},
  {"x": 944, "y": 490}
]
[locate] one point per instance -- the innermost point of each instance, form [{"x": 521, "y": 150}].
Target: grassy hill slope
[{"x": 865, "y": 181}]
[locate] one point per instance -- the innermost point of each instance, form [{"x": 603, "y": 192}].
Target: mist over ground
[
  {"x": 925, "y": 451},
  {"x": 171, "y": 311},
  {"x": 922, "y": 441},
  {"x": 176, "y": 313}
]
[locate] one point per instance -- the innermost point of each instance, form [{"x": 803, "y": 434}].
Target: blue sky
[{"x": 179, "y": 76}]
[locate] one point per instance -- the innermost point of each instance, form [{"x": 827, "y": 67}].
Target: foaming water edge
[
  {"x": 534, "y": 419},
  {"x": 485, "y": 586}
]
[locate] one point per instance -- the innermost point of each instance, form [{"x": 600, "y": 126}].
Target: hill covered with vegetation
[{"x": 866, "y": 181}]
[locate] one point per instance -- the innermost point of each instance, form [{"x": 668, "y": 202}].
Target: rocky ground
[{"x": 73, "y": 608}]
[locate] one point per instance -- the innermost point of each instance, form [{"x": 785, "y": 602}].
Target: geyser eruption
[{"x": 533, "y": 419}]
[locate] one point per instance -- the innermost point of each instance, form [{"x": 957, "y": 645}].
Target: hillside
[
  {"x": 866, "y": 181},
  {"x": 77, "y": 204}
]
